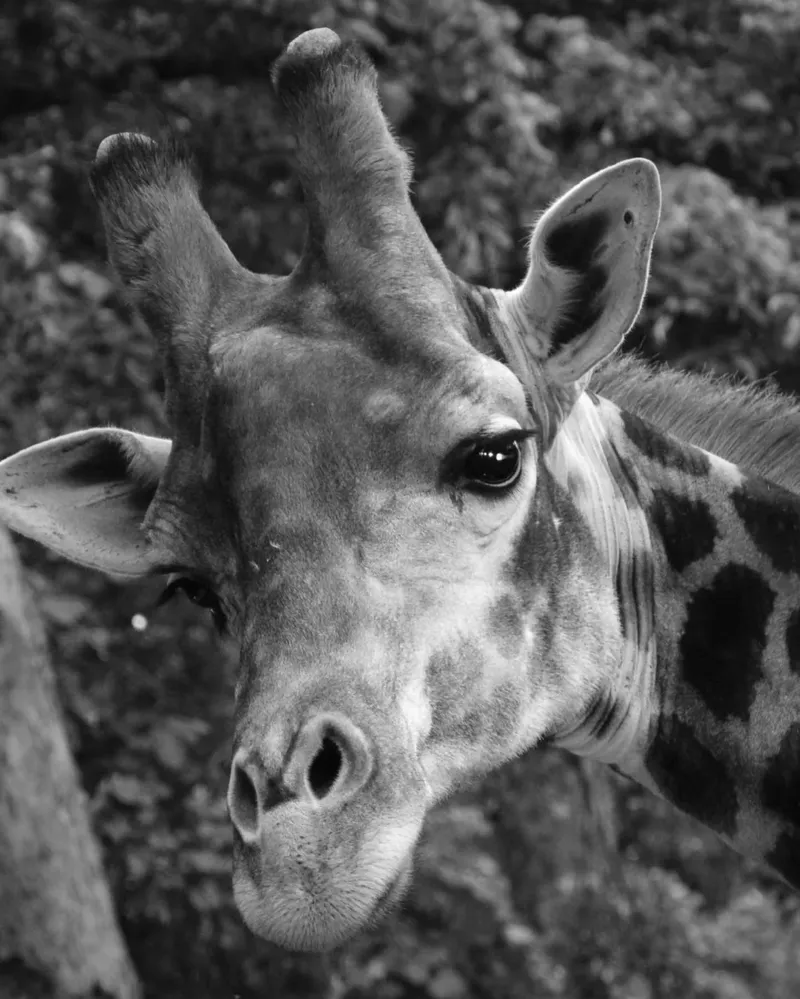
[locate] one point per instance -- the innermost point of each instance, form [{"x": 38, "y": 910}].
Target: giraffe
[{"x": 416, "y": 507}]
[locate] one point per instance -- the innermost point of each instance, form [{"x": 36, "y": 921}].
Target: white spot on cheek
[
  {"x": 416, "y": 710},
  {"x": 528, "y": 636},
  {"x": 384, "y": 405}
]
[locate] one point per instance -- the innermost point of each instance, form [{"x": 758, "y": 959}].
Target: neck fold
[{"x": 586, "y": 464}]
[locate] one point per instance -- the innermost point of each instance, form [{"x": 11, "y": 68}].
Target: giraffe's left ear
[{"x": 589, "y": 262}]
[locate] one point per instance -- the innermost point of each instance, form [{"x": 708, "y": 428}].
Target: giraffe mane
[{"x": 755, "y": 426}]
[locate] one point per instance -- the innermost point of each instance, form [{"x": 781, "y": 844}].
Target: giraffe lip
[{"x": 392, "y": 895}]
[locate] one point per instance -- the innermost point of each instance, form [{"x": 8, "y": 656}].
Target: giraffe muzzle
[{"x": 325, "y": 833}]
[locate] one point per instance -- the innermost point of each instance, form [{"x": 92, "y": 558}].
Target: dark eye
[
  {"x": 199, "y": 594},
  {"x": 493, "y": 465}
]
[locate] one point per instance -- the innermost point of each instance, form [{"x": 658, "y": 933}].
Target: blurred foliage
[{"x": 552, "y": 880}]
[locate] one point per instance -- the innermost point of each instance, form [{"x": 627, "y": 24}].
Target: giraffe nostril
[
  {"x": 325, "y": 768},
  {"x": 243, "y": 802},
  {"x": 331, "y": 760}
]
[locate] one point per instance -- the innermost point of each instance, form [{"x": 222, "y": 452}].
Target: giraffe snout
[{"x": 330, "y": 759}]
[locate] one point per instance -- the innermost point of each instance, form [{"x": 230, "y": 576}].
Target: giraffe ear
[
  {"x": 85, "y": 495},
  {"x": 589, "y": 263}
]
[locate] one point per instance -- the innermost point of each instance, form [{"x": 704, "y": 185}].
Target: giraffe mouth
[
  {"x": 314, "y": 896},
  {"x": 394, "y": 893}
]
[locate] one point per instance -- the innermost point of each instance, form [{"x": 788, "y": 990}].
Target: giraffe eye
[
  {"x": 493, "y": 465},
  {"x": 199, "y": 593}
]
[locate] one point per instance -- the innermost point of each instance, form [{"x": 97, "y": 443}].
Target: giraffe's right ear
[
  {"x": 85, "y": 495},
  {"x": 589, "y": 263}
]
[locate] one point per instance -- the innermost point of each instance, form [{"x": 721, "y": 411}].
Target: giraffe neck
[
  {"x": 589, "y": 470},
  {"x": 706, "y": 563}
]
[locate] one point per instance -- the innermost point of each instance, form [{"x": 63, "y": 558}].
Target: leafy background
[{"x": 551, "y": 879}]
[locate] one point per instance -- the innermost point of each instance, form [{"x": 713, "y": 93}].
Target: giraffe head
[{"x": 355, "y": 489}]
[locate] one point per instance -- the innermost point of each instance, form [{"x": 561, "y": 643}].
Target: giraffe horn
[
  {"x": 175, "y": 265},
  {"x": 355, "y": 175}
]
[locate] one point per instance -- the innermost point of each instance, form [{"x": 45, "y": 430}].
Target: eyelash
[{"x": 455, "y": 463}]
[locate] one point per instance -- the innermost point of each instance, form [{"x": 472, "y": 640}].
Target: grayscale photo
[{"x": 399, "y": 499}]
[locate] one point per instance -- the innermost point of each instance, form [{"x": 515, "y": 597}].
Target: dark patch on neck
[
  {"x": 772, "y": 518},
  {"x": 686, "y": 527},
  {"x": 785, "y": 857},
  {"x": 793, "y": 640},
  {"x": 691, "y": 777},
  {"x": 723, "y": 640},
  {"x": 780, "y": 787},
  {"x": 663, "y": 449}
]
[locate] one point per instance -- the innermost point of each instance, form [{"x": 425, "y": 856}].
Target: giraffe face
[
  {"x": 355, "y": 489},
  {"x": 360, "y": 541}
]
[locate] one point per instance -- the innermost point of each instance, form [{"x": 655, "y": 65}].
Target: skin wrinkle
[{"x": 620, "y": 531}]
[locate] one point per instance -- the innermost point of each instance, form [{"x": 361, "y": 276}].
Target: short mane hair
[{"x": 754, "y": 426}]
